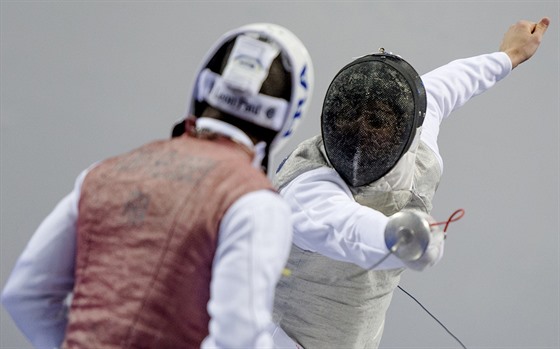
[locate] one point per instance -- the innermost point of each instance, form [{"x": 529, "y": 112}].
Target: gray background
[{"x": 83, "y": 80}]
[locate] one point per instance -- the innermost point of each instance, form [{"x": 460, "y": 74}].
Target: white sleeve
[
  {"x": 43, "y": 276},
  {"x": 329, "y": 221},
  {"x": 253, "y": 247},
  {"x": 452, "y": 85}
]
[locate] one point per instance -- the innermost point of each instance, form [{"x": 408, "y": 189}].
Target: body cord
[{"x": 439, "y": 322}]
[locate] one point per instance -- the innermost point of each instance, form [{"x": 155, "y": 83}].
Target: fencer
[
  {"x": 376, "y": 158},
  {"x": 180, "y": 242}
]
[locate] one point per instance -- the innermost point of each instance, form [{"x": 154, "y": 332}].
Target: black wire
[
  {"x": 439, "y": 322},
  {"x": 391, "y": 251}
]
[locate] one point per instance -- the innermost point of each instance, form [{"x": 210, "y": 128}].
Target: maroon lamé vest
[{"x": 147, "y": 234}]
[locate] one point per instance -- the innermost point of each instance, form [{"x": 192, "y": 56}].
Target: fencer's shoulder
[
  {"x": 266, "y": 200},
  {"x": 314, "y": 142},
  {"x": 263, "y": 195},
  {"x": 83, "y": 174}
]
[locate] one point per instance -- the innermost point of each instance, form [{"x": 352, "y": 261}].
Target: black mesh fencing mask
[{"x": 370, "y": 114}]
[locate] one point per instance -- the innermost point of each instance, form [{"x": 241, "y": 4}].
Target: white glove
[{"x": 433, "y": 253}]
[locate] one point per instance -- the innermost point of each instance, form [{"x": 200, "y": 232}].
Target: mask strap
[
  {"x": 259, "y": 109},
  {"x": 248, "y": 64},
  {"x": 260, "y": 152}
]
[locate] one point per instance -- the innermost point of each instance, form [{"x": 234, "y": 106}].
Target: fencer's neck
[{"x": 237, "y": 135}]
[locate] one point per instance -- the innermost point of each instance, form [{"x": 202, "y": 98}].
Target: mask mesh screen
[{"x": 367, "y": 120}]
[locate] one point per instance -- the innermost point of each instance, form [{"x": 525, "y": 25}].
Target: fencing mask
[
  {"x": 238, "y": 88},
  {"x": 370, "y": 115}
]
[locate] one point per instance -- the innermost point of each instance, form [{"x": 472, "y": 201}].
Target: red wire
[{"x": 451, "y": 218}]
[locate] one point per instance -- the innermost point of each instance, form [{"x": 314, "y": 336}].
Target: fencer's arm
[
  {"x": 327, "y": 220},
  {"x": 43, "y": 276},
  {"x": 450, "y": 86},
  {"x": 522, "y": 39},
  {"x": 254, "y": 242}
]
